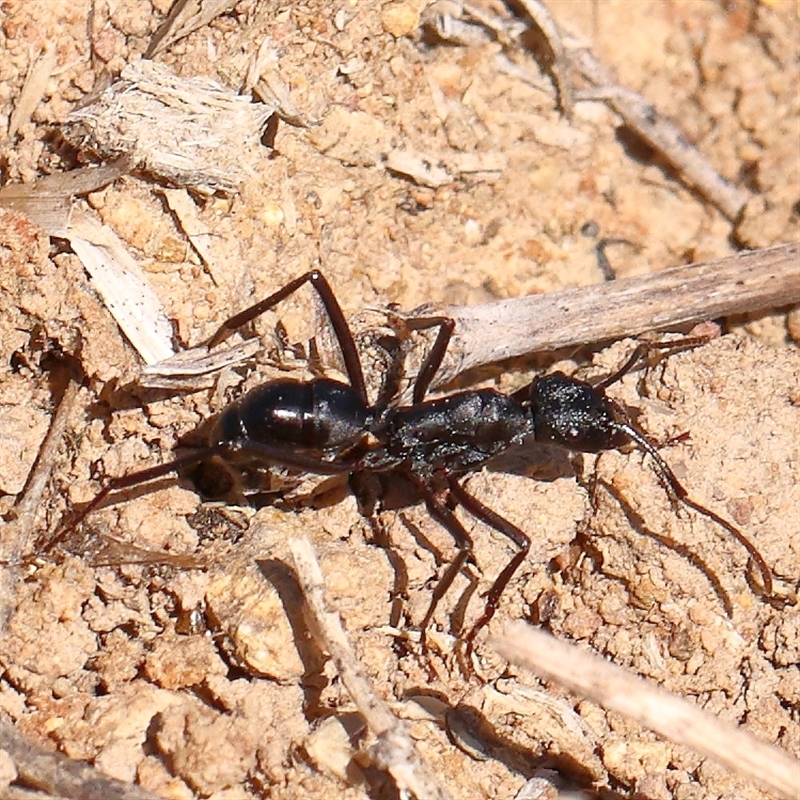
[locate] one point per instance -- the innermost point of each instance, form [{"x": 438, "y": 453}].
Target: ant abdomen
[{"x": 315, "y": 416}]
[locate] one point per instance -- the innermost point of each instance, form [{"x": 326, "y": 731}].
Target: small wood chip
[
  {"x": 34, "y": 88},
  {"x": 192, "y": 132}
]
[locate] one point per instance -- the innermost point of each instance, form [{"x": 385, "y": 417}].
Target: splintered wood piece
[{"x": 192, "y": 132}]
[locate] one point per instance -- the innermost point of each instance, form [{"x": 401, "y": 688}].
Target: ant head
[{"x": 574, "y": 414}]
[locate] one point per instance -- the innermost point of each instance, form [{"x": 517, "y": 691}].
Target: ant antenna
[{"x": 678, "y": 492}]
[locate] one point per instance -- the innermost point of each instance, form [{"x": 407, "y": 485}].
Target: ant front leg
[
  {"x": 578, "y": 416},
  {"x": 674, "y": 487},
  {"x": 644, "y": 348},
  {"x": 341, "y": 329}
]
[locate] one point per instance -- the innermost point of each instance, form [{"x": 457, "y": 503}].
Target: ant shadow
[
  {"x": 638, "y": 524},
  {"x": 377, "y": 493},
  {"x": 391, "y": 491},
  {"x": 542, "y": 463}
]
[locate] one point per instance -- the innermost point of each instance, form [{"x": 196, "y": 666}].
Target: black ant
[{"x": 329, "y": 427}]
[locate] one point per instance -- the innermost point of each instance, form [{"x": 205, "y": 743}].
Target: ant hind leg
[{"x": 341, "y": 329}]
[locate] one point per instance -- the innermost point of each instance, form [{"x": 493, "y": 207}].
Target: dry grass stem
[
  {"x": 61, "y": 776},
  {"x": 34, "y": 88},
  {"x": 395, "y": 751},
  {"x": 185, "y": 17},
  {"x": 615, "y": 689},
  {"x": 18, "y": 533}
]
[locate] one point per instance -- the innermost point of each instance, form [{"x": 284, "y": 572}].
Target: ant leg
[
  {"x": 227, "y": 451},
  {"x": 341, "y": 329},
  {"x": 511, "y": 531},
  {"x": 445, "y": 517},
  {"x": 643, "y": 348},
  {"x": 118, "y": 485},
  {"x": 677, "y": 492},
  {"x": 432, "y": 362}
]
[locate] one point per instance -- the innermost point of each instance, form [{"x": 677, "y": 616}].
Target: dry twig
[
  {"x": 541, "y": 16},
  {"x": 639, "y": 115},
  {"x": 117, "y": 277},
  {"x": 489, "y": 333},
  {"x": 123, "y": 285},
  {"x": 34, "y": 87},
  {"x": 661, "y": 134},
  {"x": 185, "y": 17},
  {"x": 743, "y": 283},
  {"x": 58, "y": 775},
  {"x": 192, "y": 132},
  {"x": 48, "y": 201},
  {"x": 395, "y": 751},
  {"x": 678, "y": 720},
  {"x": 17, "y": 535}
]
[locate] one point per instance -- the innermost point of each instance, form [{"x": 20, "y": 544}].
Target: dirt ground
[{"x": 206, "y": 682}]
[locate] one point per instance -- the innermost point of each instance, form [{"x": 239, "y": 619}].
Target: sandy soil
[{"x": 206, "y": 683}]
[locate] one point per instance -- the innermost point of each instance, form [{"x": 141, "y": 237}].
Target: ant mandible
[{"x": 329, "y": 427}]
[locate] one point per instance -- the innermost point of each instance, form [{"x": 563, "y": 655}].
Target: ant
[{"x": 330, "y": 427}]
